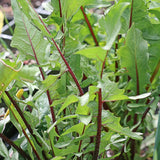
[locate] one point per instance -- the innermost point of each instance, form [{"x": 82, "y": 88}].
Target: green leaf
[
  {"x": 3, "y": 150},
  {"x": 134, "y": 57},
  {"x": 93, "y": 53},
  {"x": 70, "y": 99},
  {"x": 110, "y": 91},
  {"x": 82, "y": 110},
  {"x": 30, "y": 13},
  {"x": 113, "y": 123},
  {"x": 76, "y": 128},
  {"x": 3, "y": 123},
  {"x": 58, "y": 158},
  {"x": 60, "y": 120},
  {"x": 70, "y": 7},
  {"x": 28, "y": 73},
  {"x": 48, "y": 83},
  {"x": 86, "y": 119},
  {"x": 20, "y": 38},
  {"x": 74, "y": 63},
  {"x": 8, "y": 68},
  {"x": 157, "y": 141},
  {"x": 111, "y": 23}
]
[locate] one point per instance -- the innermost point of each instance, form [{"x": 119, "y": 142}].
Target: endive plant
[{"x": 93, "y": 90}]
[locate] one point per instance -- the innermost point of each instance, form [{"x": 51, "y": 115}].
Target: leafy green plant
[{"x": 94, "y": 81}]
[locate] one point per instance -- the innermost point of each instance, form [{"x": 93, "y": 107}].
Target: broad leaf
[
  {"x": 21, "y": 41},
  {"x": 134, "y": 57},
  {"x": 111, "y": 23}
]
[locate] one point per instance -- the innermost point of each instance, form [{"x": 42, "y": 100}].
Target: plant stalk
[
  {"x": 155, "y": 72},
  {"x": 64, "y": 59},
  {"x": 130, "y": 21},
  {"x": 99, "y": 125},
  {"x": 24, "y": 132},
  {"x": 11, "y": 143},
  {"x": 89, "y": 26},
  {"x": 42, "y": 74}
]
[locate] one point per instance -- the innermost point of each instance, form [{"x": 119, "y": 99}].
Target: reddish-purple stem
[
  {"x": 42, "y": 74},
  {"x": 99, "y": 125},
  {"x": 155, "y": 72},
  {"x": 62, "y": 28},
  {"x": 116, "y": 62},
  {"x": 64, "y": 59},
  {"x": 103, "y": 65},
  {"x": 8, "y": 141},
  {"x": 80, "y": 143},
  {"x": 99, "y": 118},
  {"x": 130, "y": 22},
  {"x": 89, "y": 26},
  {"x": 24, "y": 132}
]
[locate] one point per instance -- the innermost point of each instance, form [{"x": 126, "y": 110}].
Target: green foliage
[{"x": 83, "y": 99}]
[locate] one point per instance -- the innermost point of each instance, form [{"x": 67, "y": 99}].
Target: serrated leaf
[
  {"x": 134, "y": 58},
  {"x": 30, "y": 14},
  {"x": 111, "y": 23},
  {"x": 20, "y": 38},
  {"x": 113, "y": 123}
]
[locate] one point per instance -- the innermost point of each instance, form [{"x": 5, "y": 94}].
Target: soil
[
  {"x": 7, "y": 9},
  {"x": 7, "y": 3}
]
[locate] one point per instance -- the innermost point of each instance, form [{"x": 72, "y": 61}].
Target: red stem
[
  {"x": 62, "y": 28},
  {"x": 31, "y": 144},
  {"x": 130, "y": 22},
  {"x": 64, "y": 59},
  {"x": 116, "y": 62},
  {"x": 80, "y": 143},
  {"x": 89, "y": 26},
  {"x": 8, "y": 141},
  {"x": 99, "y": 125},
  {"x": 42, "y": 74},
  {"x": 103, "y": 65},
  {"x": 155, "y": 72}
]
